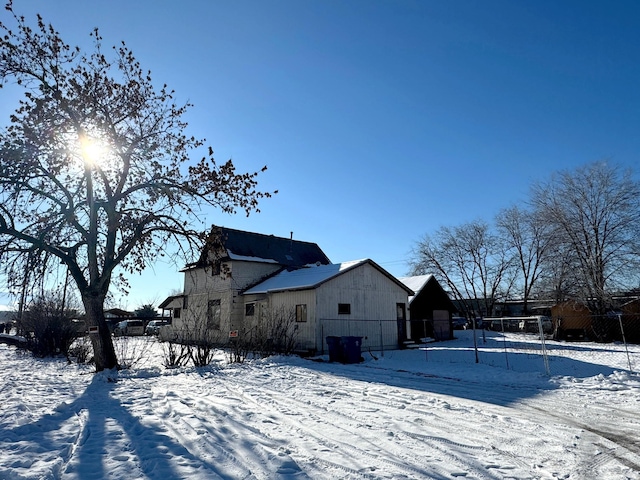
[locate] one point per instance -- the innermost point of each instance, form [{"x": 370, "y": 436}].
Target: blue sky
[{"x": 380, "y": 121}]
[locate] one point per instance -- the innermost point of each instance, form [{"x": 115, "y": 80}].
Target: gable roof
[
  {"x": 416, "y": 283},
  {"x": 313, "y": 276},
  {"x": 419, "y": 284},
  {"x": 257, "y": 247},
  {"x": 170, "y": 299}
]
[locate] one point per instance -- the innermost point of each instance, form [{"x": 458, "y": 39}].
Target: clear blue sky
[{"x": 380, "y": 121}]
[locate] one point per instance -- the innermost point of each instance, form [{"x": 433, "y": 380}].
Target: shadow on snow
[{"x": 84, "y": 449}]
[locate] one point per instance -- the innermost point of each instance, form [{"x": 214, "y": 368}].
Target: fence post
[
  {"x": 544, "y": 348},
  {"x": 624, "y": 340},
  {"x": 475, "y": 340},
  {"x": 426, "y": 345},
  {"x": 381, "y": 340},
  {"x": 504, "y": 342}
]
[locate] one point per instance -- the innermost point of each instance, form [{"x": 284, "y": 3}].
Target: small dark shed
[{"x": 430, "y": 309}]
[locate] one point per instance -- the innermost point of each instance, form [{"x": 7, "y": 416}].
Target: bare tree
[
  {"x": 470, "y": 261},
  {"x": 529, "y": 238},
  {"x": 557, "y": 281},
  {"x": 595, "y": 214},
  {"x": 95, "y": 168}
]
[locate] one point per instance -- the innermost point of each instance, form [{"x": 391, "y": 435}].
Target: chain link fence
[
  {"x": 578, "y": 346},
  {"x": 377, "y": 335}
]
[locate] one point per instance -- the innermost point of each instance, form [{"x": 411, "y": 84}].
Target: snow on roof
[
  {"x": 228, "y": 243},
  {"x": 257, "y": 247},
  {"x": 306, "y": 277},
  {"x": 233, "y": 256},
  {"x": 415, "y": 283}
]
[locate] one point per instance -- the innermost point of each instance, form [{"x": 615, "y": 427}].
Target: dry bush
[
  {"x": 81, "y": 350},
  {"x": 49, "y": 331},
  {"x": 175, "y": 354},
  {"x": 132, "y": 351}
]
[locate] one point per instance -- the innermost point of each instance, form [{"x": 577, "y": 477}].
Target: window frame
[
  {"x": 214, "y": 315},
  {"x": 301, "y": 313},
  {"x": 344, "y": 309}
]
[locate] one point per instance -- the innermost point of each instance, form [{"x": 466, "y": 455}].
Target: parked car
[
  {"x": 459, "y": 323},
  {"x": 495, "y": 325},
  {"x": 531, "y": 325},
  {"x": 506, "y": 324},
  {"x": 153, "y": 327},
  {"x": 129, "y": 327}
]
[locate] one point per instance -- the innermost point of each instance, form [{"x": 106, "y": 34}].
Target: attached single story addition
[{"x": 356, "y": 298}]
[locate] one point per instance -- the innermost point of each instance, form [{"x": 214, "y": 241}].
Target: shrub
[
  {"x": 48, "y": 330},
  {"x": 176, "y": 354},
  {"x": 81, "y": 350},
  {"x": 132, "y": 351}
]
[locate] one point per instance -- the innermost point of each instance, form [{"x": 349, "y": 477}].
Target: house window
[
  {"x": 344, "y": 309},
  {"x": 250, "y": 309},
  {"x": 215, "y": 268},
  {"x": 213, "y": 314},
  {"x": 185, "y": 302},
  {"x": 176, "y": 313},
  {"x": 301, "y": 313}
]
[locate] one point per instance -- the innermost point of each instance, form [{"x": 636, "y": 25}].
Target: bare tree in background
[
  {"x": 95, "y": 169},
  {"x": 557, "y": 281},
  {"x": 594, "y": 212},
  {"x": 470, "y": 261},
  {"x": 529, "y": 238}
]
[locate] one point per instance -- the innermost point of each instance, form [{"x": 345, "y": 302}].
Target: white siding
[
  {"x": 201, "y": 286},
  {"x": 307, "y": 332},
  {"x": 373, "y": 298}
]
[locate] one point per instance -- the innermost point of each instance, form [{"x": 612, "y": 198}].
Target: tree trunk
[{"x": 103, "y": 352}]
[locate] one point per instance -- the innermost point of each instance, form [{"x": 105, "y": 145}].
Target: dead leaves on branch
[
  {"x": 145, "y": 194},
  {"x": 223, "y": 187}
]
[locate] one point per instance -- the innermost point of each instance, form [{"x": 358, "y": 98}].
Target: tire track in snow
[
  {"x": 482, "y": 448},
  {"x": 280, "y": 413},
  {"x": 394, "y": 448},
  {"x": 517, "y": 418},
  {"x": 609, "y": 432},
  {"x": 477, "y": 435},
  {"x": 194, "y": 433},
  {"x": 495, "y": 455},
  {"x": 609, "y": 442}
]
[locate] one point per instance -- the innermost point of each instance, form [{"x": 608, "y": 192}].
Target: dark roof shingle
[{"x": 238, "y": 244}]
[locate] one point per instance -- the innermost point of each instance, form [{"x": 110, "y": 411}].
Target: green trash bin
[{"x": 351, "y": 349}]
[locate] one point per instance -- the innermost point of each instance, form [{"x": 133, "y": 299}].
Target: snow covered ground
[{"x": 407, "y": 414}]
